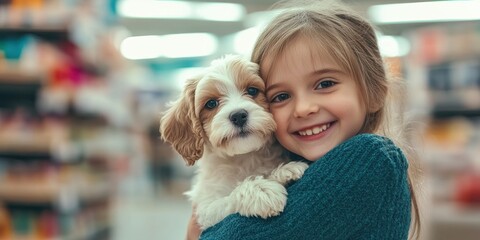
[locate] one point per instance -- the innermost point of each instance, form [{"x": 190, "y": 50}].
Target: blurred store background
[{"x": 83, "y": 82}]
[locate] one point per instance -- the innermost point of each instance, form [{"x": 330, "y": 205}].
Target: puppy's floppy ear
[{"x": 181, "y": 128}]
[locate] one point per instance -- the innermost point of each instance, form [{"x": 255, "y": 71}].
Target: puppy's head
[{"x": 224, "y": 109}]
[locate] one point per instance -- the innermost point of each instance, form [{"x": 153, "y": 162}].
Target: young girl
[{"x": 328, "y": 90}]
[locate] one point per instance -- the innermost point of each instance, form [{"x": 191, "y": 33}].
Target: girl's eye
[
  {"x": 252, "y": 91},
  {"x": 211, "y": 104},
  {"x": 280, "y": 97},
  {"x": 325, "y": 84}
]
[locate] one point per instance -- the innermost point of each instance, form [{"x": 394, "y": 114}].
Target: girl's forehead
[{"x": 304, "y": 53}]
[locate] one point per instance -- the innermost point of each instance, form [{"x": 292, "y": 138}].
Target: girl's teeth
[{"x": 315, "y": 130}]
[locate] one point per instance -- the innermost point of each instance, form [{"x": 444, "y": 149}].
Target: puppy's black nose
[{"x": 239, "y": 118}]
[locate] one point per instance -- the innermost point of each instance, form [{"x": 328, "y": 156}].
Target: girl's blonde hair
[{"x": 347, "y": 37}]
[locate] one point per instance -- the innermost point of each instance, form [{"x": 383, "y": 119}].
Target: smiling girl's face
[{"x": 314, "y": 101}]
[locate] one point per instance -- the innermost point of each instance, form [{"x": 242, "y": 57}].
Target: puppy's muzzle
[{"x": 239, "y": 118}]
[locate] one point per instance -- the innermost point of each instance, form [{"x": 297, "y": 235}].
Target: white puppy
[{"x": 222, "y": 120}]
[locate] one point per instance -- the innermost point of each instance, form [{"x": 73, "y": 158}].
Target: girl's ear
[{"x": 180, "y": 127}]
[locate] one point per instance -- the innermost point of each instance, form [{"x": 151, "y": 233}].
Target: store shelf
[
  {"x": 442, "y": 113},
  {"x": 18, "y": 76},
  {"x": 18, "y": 89},
  {"x": 54, "y": 34},
  {"x": 28, "y": 193},
  {"x": 44, "y": 193},
  {"x": 454, "y": 214},
  {"x": 50, "y": 185},
  {"x": 100, "y": 232},
  {"x": 451, "y": 221},
  {"x": 30, "y": 147},
  {"x": 19, "y": 94},
  {"x": 25, "y": 155}
]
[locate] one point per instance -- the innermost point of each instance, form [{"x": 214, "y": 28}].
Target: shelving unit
[
  {"x": 18, "y": 90},
  {"x": 444, "y": 71},
  {"x": 445, "y": 113},
  {"x": 52, "y": 34},
  {"x": 36, "y": 179},
  {"x": 53, "y": 184}
]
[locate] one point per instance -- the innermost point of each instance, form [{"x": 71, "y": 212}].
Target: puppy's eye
[
  {"x": 211, "y": 104},
  {"x": 252, "y": 91}
]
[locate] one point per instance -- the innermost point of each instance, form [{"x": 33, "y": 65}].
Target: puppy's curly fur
[{"x": 222, "y": 121}]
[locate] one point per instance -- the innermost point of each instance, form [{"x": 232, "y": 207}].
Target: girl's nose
[{"x": 305, "y": 107}]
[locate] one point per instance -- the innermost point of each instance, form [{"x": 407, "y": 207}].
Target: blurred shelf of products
[
  {"x": 75, "y": 129},
  {"x": 443, "y": 74}
]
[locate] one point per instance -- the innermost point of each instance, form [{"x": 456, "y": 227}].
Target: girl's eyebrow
[
  {"x": 273, "y": 86},
  {"x": 327, "y": 70}
]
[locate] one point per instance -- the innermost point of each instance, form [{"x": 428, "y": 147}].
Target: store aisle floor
[{"x": 160, "y": 218}]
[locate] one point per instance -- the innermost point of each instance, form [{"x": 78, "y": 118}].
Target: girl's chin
[{"x": 314, "y": 157}]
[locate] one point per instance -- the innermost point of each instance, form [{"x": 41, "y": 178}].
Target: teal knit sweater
[{"x": 358, "y": 190}]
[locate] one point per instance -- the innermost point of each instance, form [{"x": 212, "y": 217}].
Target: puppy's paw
[
  {"x": 288, "y": 172},
  {"x": 259, "y": 197}
]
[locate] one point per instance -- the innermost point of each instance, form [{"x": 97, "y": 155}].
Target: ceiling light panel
[
  {"x": 208, "y": 11},
  {"x": 184, "y": 45},
  {"x": 435, "y": 11}
]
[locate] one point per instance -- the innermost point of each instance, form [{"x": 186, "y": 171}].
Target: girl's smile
[{"x": 315, "y": 132}]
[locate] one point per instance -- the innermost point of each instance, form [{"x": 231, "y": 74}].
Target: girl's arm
[
  {"x": 358, "y": 190},
  {"x": 193, "y": 229}
]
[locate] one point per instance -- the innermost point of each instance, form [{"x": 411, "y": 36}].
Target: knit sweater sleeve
[{"x": 358, "y": 190}]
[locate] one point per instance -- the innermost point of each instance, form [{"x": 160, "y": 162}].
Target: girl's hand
[{"x": 193, "y": 229}]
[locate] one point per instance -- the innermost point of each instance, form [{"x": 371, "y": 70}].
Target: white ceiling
[{"x": 168, "y": 26}]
